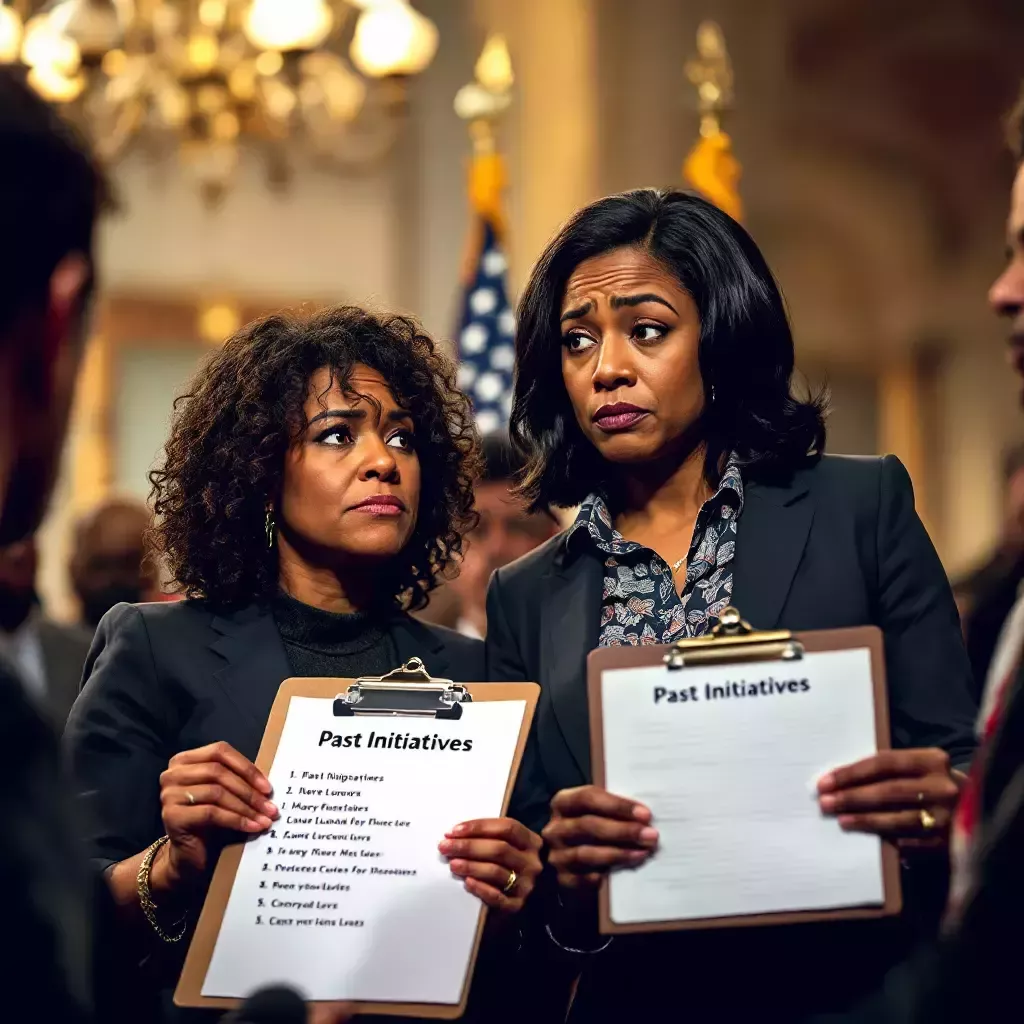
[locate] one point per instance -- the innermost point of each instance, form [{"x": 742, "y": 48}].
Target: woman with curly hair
[{"x": 317, "y": 481}]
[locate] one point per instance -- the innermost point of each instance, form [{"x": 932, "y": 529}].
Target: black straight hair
[{"x": 745, "y": 349}]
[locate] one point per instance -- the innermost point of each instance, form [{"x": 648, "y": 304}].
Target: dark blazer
[
  {"x": 972, "y": 974},
  {"x": 839, "y": 545},
  {"x": 162, "y": 678}
]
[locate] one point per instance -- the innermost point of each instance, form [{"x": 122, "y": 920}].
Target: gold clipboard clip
[
  {"x": 734, "y": 640},
  {"x": 409, "y": 690}
]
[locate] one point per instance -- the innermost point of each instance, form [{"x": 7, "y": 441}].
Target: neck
[
  {"x": 330, "y": 589},
  {"x": 665, "y": 493}
]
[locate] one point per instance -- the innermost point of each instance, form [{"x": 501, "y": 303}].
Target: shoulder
[
  {"x": 465, "y": 654},
  {"x": 158, "y": 618},
  {"x": 524, "y": 572},
  {"x": 861, "y": 481}
]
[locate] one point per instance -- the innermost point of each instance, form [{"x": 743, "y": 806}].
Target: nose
[
  {"x": 379, "y": 461},
  {"x": 615, "y": 367},
  {"x": 1006, "y": 296}
]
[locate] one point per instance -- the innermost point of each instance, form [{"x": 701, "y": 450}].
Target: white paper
[
  {"x": 731, "y": 782},
  {"x": 404, "y": 936}
]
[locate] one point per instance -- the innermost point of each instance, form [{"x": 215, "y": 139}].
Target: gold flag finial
[
  {"x": 710, "y": 167},
  {"x": 481, "y": 104}
]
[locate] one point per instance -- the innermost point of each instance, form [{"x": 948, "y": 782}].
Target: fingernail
[
  {"x": 457, "y": 867},
  {"x": 263, "y": 784},
  {"x": 270, "y": 809},
  {"x": 638, "y": 856},
  {"x": 641, "y": 813},
  {"x": 446, "y": 846},
  {"x": 827, "y": 803},
  {"x": 846, "y": 822},
  {"x": 458, "y": 829},
  {"x": 253, "y": 825},
  {"x": 264, "y": 822},
  {"x": 648, "y": 835},
  {"x": 826, "y": 783}
]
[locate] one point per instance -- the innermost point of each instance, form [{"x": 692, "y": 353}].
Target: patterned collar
[{"x": 594, "y": 520}]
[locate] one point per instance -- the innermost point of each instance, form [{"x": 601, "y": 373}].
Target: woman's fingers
[
  {"x": 926, "y": 791},
  {"x": 591, "y": 830},
  {"x": 192, "y": 777},
  {"x": 506, "y": 829},
  {"x": 898, "y": 824},
  {"x": 493, "y": 897},
  {"x": 589, "y": 859},
  {"x": 225, "y": 754},
  {"x": 887, "y": 764},
  {"x": 213, "y": 794},
  {"x": 495, "y": 851},
  {"x": 574, "y": 803},
  {"x": 186, "y": 818}
]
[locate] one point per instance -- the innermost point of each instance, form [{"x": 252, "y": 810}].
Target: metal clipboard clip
[
  {"x": 409, "y": 690},
  {"x": 733, "y": 640}
]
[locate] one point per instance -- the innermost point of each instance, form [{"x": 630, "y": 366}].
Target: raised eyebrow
[
  {"x": 339, "y": 414},
  {"x": 575, "y": 314},
  {"x": 618, "y": 301}
]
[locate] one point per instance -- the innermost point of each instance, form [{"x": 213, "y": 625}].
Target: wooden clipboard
[
  {"x": 731, "y": 642},
  {"x": 409, "y": 690}
]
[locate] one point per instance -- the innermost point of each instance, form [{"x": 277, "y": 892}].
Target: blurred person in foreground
[
  {"x": 317, "y": 482},
  {"x": 48, "y": 655},
  {"x": 986, "y": 595},
  {"x": 51, "y": 194},
  {"x": 109, "y": 564},
  {"x": 507, "y": 530},
  {"x": 972, "y": 973}
]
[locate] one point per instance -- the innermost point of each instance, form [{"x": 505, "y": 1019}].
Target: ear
[{"x": 65, "y": 306}]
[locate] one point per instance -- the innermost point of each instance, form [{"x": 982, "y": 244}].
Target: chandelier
[{"x": 206, "y": 78}]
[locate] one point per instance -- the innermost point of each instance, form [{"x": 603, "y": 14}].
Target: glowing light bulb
[
  {"x": 10, "y": 35},
  {"x": 288, "y": 24},
  {"x": 43, "y": 47},
  {"x": 393, "y": 39}
]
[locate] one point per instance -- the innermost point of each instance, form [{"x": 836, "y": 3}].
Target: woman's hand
[
  {"x": 908, "y": 795},
  {"x": 209, "y": 790},
  {"x": 592, "y": 831},
  {"x": 486, "y": 852}
]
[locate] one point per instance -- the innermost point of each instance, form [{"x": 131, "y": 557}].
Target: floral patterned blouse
[{"x": 641, "y": 604}]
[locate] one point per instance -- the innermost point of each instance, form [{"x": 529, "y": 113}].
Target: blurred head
[
  {"x": 346, "y": 429},
  {"x": 507, "y": 530},
  {"x": 651, "y": 326},
  {"x": 50, "y": 196},
  {"x": 1006, "y": 296},
  {"x": 18, "y": 566},
  {"x": 109, "y": 563}
]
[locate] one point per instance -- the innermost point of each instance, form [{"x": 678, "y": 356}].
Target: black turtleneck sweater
[{"x": 319, "y": 643}]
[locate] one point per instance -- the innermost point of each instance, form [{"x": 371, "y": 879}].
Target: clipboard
[
  {"x": 409, "y": 690},
  {"x": 733, "y": 641}
]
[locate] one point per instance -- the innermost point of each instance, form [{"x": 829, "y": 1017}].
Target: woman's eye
[
  {"x": 403, "y": 440},
  {"x": 575, "y": 342},
  {"x": 335, "y": 436},
  {"x": 649, "y": 332}
]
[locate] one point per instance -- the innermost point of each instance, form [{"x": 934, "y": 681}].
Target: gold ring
[
  {"x": 510, "y": 884},
  {"x": 928, "y": 821},
  {"x": 191, "y": 799}
]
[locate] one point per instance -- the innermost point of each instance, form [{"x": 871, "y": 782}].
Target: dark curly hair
[
  {"x": 231, "y": 430},
  {"x": 745, "y": 349}
]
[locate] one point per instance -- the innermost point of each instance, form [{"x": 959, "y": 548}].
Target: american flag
[{"x": 485, "y": 338}]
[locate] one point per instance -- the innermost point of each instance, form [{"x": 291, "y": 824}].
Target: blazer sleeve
[
  {"x": 928, "y": 671},
  {"x": 115, "y": 739},
  {"x": 530, "y": 802}
]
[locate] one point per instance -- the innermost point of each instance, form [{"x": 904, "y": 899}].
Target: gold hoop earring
[{"x": 269, "y": 527}]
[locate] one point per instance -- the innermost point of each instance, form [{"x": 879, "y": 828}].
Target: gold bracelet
[{"x": 146, "y": 898}]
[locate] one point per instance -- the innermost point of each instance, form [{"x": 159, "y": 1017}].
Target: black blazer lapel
[
  {"x": 256, "y": 663},
  {"x": 771, "y": 537},
  {"x": 570, "y": 619}
]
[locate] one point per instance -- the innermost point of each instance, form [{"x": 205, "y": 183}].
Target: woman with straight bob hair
[{"x": 653, "y": 391}]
